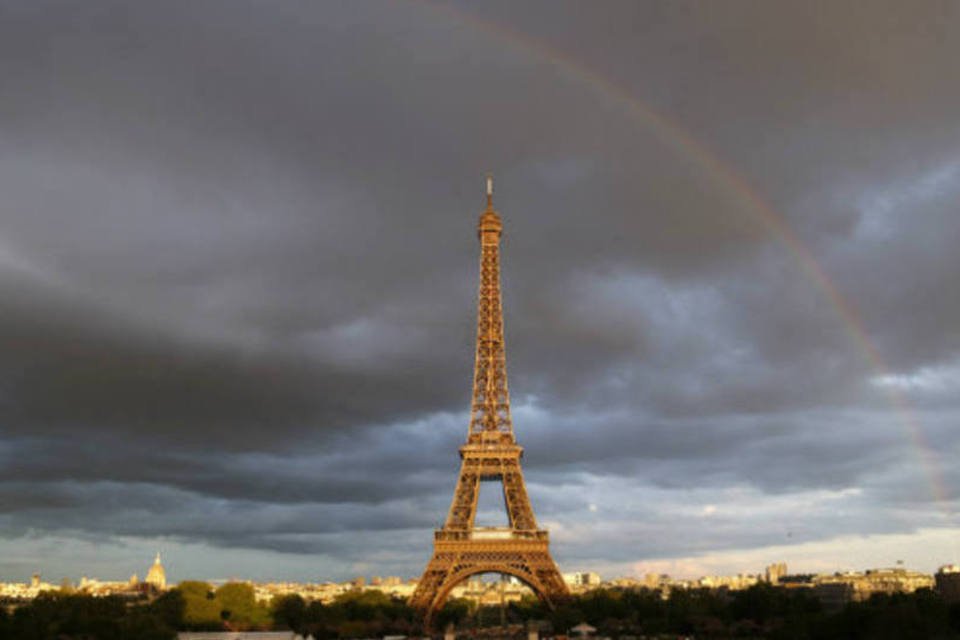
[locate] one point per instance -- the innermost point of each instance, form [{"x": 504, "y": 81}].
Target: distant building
[
  {"x": 156, "y": 576},
  {"x": 774, "y": 572},
  {"x": 834, "y": 595},
  {"x": 582, "y": 580},
  {"x": 796, "y": 581},
  {"x": 948, "y": 582},
  {"x": 840, "y": 588},
  {"x": 655, "y": 580},
  {"x": 507, "y": 589},
  {"x": 24, "y": 591},
  {"x": 732, "y": 583}
]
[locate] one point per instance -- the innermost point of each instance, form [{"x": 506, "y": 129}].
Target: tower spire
[{"x": 490, "y": 410}]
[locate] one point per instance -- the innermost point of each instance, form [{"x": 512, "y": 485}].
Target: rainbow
[{"x": 674, "y": 137}]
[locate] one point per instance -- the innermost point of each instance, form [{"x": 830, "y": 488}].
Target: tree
[
  {"x": 317, "y": 620},
  {"x": 289, "y": 612},
  {"x": 169, "y": 608},
  {"x": 239, "y": 607},
  {"x": 454, "y": 611},
  {"x": 201, "y": 610},
  {"x": 144, "y": 626}
]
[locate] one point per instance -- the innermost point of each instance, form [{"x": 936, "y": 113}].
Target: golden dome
[{"x": 156, "y": 576}]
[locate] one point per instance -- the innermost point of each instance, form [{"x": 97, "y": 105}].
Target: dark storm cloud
[
  {"x": 68, "y": 369},
  {"x": 107, "y": 509},
  {"x": 237, "y": 263}
]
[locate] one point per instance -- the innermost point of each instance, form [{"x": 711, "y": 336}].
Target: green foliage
[
  {"x": 762, "y": 611},
  {"x": 201, "y": 610},
  {"x": 289, "y": 612},
  {"x": 232, "y": 606},
  {"x": 356, "y": 614},
  {"x": 170, "y": 608},
  {"x": 239, "y": 607},
  {"x": 454, "y": 610},
  {"x": 56, "y": 616},
  {"x": 144, "y": 626},
  {"x": 195, "y": 589},
  {"x": 900, "y": 616}
]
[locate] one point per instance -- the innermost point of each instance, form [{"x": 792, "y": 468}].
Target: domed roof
[{"x": 156, "y": 575}]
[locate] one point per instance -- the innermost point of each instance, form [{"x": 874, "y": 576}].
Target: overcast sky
[{"x": 238, "y": 267}]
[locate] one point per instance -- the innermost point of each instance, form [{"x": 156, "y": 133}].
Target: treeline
[
  {"x": 58, "y": 615},
  {"x": 197, "y": 606},
  {"x": 762, "y": 611},
  {"x": 759, "y": 612}
]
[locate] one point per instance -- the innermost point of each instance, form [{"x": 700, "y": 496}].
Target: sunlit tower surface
[{"x": 491, "y": 453}]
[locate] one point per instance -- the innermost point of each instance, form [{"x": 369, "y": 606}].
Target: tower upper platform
[{"x": 489, "y": 227}]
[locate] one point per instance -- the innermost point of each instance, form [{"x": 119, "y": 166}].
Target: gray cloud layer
[{"x": 237, "y": 270}]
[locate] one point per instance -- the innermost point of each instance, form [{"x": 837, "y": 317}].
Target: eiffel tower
[{"x": 461, "y": 549}]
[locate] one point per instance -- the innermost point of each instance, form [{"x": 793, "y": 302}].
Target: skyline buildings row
[{"x": 837, "y": 586}]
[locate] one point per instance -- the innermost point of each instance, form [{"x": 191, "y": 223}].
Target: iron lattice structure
[{"x": 491, "y": 453}]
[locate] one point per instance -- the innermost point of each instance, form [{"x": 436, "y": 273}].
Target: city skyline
[
  {"x": 238, "y": 278},
  {"x": 156, "y": 577}
]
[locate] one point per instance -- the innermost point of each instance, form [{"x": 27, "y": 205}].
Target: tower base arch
[{"x": 453, "y": 561}]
